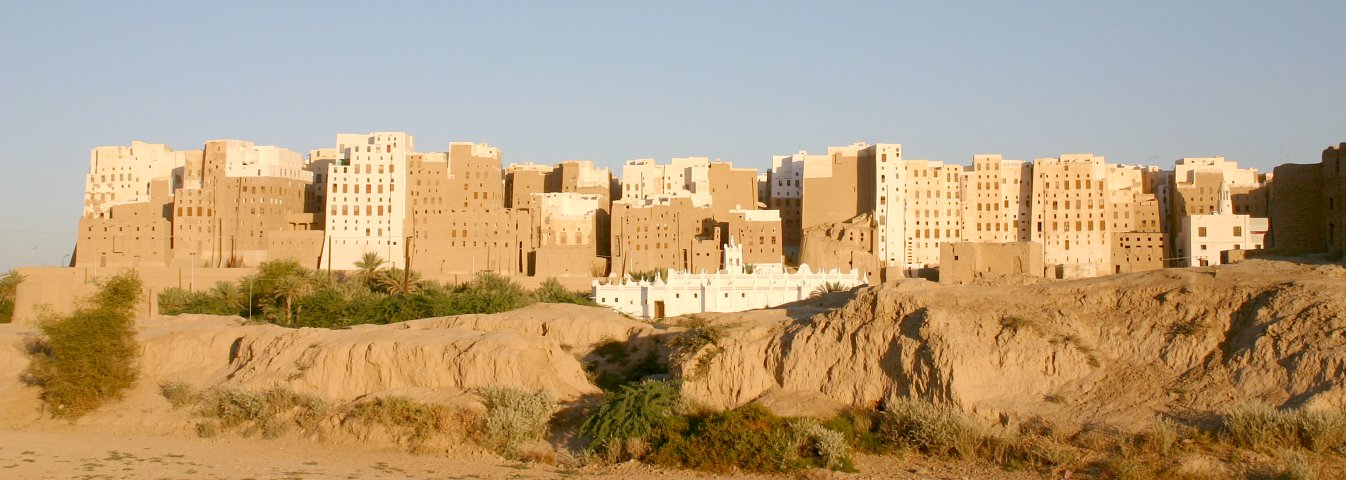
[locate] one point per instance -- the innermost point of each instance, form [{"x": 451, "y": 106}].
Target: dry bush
[
  {"x": 933, "y": 430},
  {"x": 513, "y": 418},
  {"x": 269, "y": 412},
  {"x": 413, "y": 424},
  {"x": 179, "y": 393},
  {"x": 827, "y": 445},
  {"x": 1028, "y": 452}
]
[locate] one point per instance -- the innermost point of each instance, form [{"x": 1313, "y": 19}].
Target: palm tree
[
  {"x": 367, "y": 268},
  {"x": 395, "y": 281},
  {"x": 828, "y": 287},
  {"x": 286, "y": 289},
  {"x": 229, "y": 294}
]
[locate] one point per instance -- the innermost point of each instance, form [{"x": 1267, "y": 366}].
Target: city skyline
[{"x": 1136, "y": 83}]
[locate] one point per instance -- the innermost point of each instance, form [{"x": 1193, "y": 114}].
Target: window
[
  {"x": 1238, "y": 231},
  {"x": 1201, "y": 232}
]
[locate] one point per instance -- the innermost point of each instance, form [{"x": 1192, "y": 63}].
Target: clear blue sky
[{"x": 1262, "y": 83}]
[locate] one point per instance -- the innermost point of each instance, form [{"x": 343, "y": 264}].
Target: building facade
[{"x": 730, "y": 290}]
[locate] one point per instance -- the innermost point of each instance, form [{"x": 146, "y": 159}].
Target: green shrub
[
  {"x": 551, "y": 291},
  {"x": 88, "y": 357},
  {"x": 748, "y": 438},
  {"x": 618, "y": 368},
  {"x": 933, "y": 430},
  {"x": 861, "y": 429},
  {"x": 491, "y": 293},
  {"x": 269, "y": 412},
  {"x": 9, "y": 289},
  {"x": 513, "y": 418},
  {"x": 6, "y": 311},
  {"x": 413, "y": 423},
  {"x": 285, "y": 293},
  {"x": 176, "y": 301},
  {"x": 632, "y": 412}
]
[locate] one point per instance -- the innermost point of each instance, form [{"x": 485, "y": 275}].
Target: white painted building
[
  {"x": 250, "y": 160},
  {"x": 366, "y": 198},
  {"x": 1185, "y": 170},
  {"x": 787, "y": 174},
  {"x": 120, "y": 175},
  {"x": 568, "y": 218},
  {"x": 590, "y": 176},
  {"x": 1205, "y": 236},
  {"x": 683, "y": 177},
  {"x": 890, "y": 205},
  {"x": 729, "y": 290}
]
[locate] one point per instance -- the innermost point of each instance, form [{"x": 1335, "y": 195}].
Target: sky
[{"x": 1139, "y": 82}]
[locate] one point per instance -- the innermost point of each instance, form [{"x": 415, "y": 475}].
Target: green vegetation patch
[
  {"x": 284, "y": 293},
  {"x": 88, "y": 358},
  {"x": 9, "y": 289}
]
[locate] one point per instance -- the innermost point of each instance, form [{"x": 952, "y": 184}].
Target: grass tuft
[
  {"x": 1015, "y": 323},
  {"x": 1188, "y": 328}
]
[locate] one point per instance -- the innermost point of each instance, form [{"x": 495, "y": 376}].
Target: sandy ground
[{"x": 93, "y": 455}]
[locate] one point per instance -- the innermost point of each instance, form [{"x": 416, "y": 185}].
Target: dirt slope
[
  {"x": 1115, "y": 349},
  {"x": 535, "y": 348}
]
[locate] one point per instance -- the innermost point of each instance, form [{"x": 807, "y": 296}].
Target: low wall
[{"x": 57, "y": 290}]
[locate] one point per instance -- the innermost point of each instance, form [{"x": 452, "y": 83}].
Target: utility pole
[
  {"x": 329, "y": 257},
  {"x": 406, "y": 260}
]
